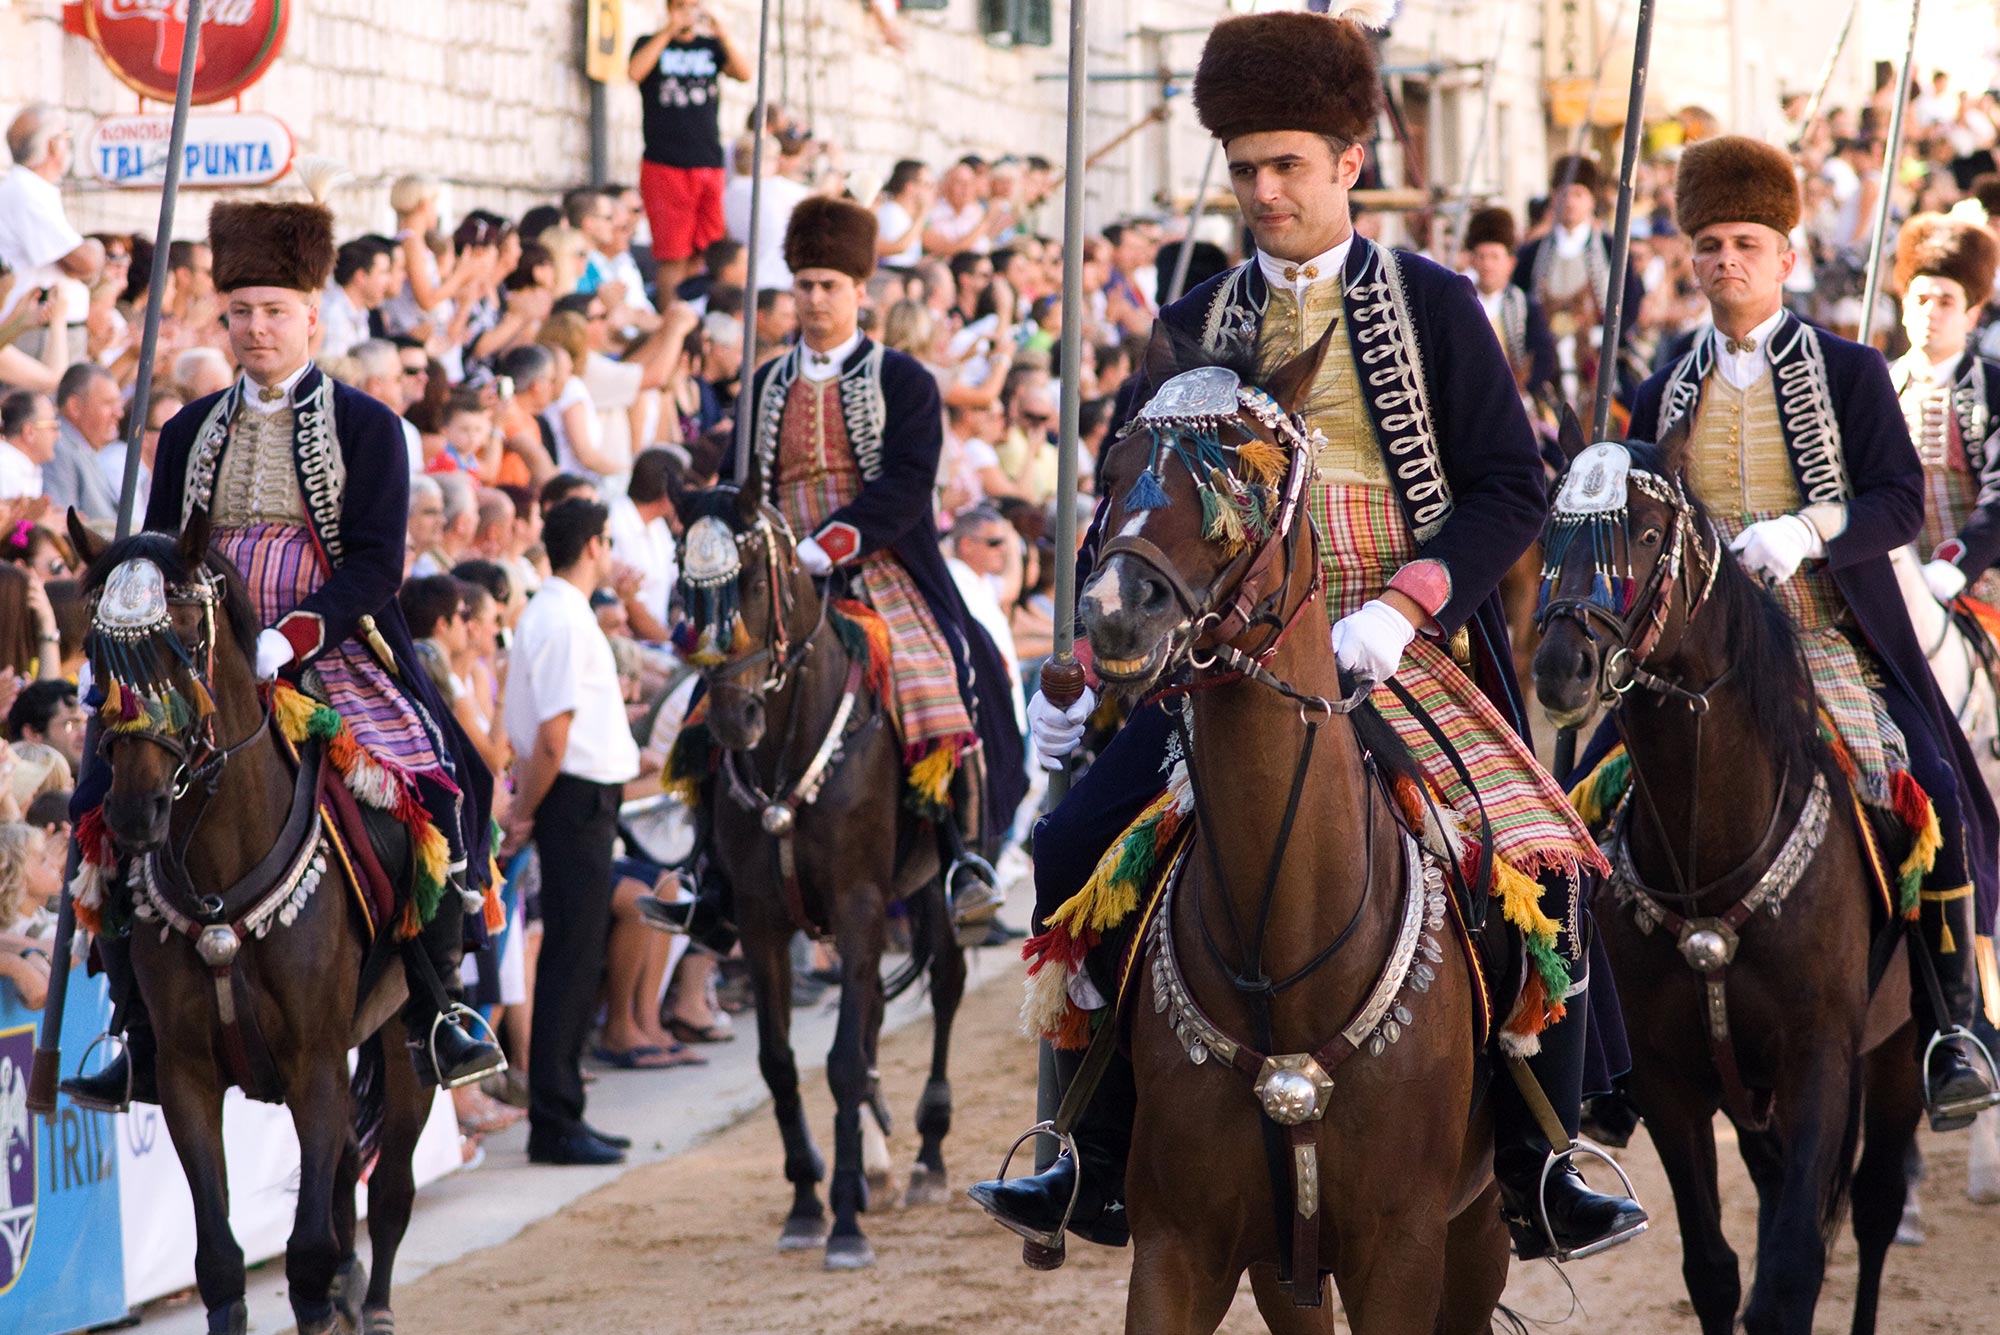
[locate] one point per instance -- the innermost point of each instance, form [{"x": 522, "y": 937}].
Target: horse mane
[
  {"x": 163, "y": 550},
  {"x": 1171, "y": 351},
  {"x": 1764, "y": 644}
]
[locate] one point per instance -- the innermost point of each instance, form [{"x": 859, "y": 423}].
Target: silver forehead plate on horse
[
  {"x": 712, "y": 557},
  {"x": 1596, "y": 480},
  {"x": 1205, "y": 392},
  {"x": 133, "y": 600}
]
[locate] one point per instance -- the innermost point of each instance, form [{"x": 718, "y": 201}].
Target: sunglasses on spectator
[
  {"x": 416, "y": 370},
  {"x": 1037, "y": 419},
  {"x": 998, "y": 540}
]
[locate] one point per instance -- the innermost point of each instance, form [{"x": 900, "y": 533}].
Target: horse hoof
[
  {"x": 378, "y": 1321},
  {"x": 881, "y": 1190},
  {"x": 926, "y": 1187},
  {"x": 849, "y": 1253},
  {"x": 802, "y": 1235},
  {"x": 350, "y": 1293},
  {"x": 1910, "y": 1232},
  {"x": 231, "y": 1320}
]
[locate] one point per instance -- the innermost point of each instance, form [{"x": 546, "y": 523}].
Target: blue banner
[{"x": 62, "y": 1262}]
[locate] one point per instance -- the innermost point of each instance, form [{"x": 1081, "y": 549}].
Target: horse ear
[
  {"x": 1569, "y": 434},
  {"x": 750, "y": 496},
  {"x": 194, "y": 540},
  {"x": 1674, "y": 445},
  {"x": 87, "y": 544},
  {"x": 1293, "y": 381}
]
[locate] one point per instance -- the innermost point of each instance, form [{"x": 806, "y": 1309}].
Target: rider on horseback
[
  {"x": 270, "y": 459},
  {"x": 1802, "y": 459},
  {"x": 1428, "y": 471},
  {"x": 847, "y": 435}
]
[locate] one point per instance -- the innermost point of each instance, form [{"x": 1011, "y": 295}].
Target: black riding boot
[
  {"x": 1580, "y": 1220},
  {"x": 1033, "y": 1206},
  {"x": 971, "y": 885},
  {"x": 129, "y": 1077},
  {"x": 447, "y": 1055},
  {"x": 1956, "y": 1087}
]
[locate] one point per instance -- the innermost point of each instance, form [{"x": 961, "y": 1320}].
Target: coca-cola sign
[{"x": 141, "y": 40}]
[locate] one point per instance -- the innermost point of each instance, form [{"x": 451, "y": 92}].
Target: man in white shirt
[
  {"x": 983, "y": 553},
  {"x": 781, "y": 195},
  {"x": 36, "y": 239},
  {"x": 566, "y": 720},
  {"x": 28, "y": 430},
  {"x": 361, "y": 273},
  {"x": 642, "y": 543},
  {"x": 958, "y": 220},
  {"x": 89, "y": 404}
]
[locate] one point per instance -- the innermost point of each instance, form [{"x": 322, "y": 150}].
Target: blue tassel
[
  {"x": 1600, "y": 592},
  {"x": 1146, "y": 493}
]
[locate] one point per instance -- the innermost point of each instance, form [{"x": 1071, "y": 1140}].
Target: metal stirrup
[
  {"x": 124, "y": 1050},
  {"x": 1559, "y": 1161},
  {"x": 438, "y": 1021},
  {"x": 1964, "y": 1107},
  {"x": 1045, "y": 1251}
]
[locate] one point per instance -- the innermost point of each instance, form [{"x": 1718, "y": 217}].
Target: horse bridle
[
  {"x": 778, "y": 548},
  {"x": 198, "y": 757},
  {"x": 1634, "y": 632}
]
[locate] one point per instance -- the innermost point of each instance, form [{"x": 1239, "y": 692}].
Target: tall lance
[
  {"x": 1614, "y": 288},
  {"x": 48, "y": 1047},
  {"x": 747, "y": 369},
  {"x": 1892, "y": 152},
  {"x": 1062, "y": 675}
]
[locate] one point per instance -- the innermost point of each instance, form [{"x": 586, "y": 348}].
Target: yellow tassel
[
  {"x": 433, "y": 853},
  {"x": 293, "y": 712},
  {"x": 1947, "y": 943},
  {"x": 204, "y": 703},
  {"x": 1923, "y": 853},
  {"x": 1521, "y": 901},
  {"x": 1262, "y": 460},
  {"x": 1103, "y": 902},
  {"x": 930, "y": 778},
  {"x": 685, "y": 790},
  {"x": 114, "y": 699}
]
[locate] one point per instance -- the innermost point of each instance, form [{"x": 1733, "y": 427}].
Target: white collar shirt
[
  {"x": 1492, "y": 301},
  {"x": 253, "y": 393},
  {"x": 344, "y": 323},
  {"x": 1742, "y": 369},
  {"x": 34, "y": 234},
  {"x": 560, "y": 663},
  {"x": 1570, "y": 241},
  {"x": 19, "y": 475},
  {"x": 822, "y": 366},
  {"x": 647, "y": 545},
  {"x": 1296, "y": 278}
]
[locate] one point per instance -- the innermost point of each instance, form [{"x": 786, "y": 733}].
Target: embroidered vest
[
  {"x": 862, "y": 407},
  {"x": 255, "y": 483},
  {"x": 1333, "y": 405},
  {"x": 1738, "y": 464},
  {"x": 816, "y": 472}
]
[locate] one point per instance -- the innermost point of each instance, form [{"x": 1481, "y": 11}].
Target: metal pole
[
  {"x": 48, "y": 1047},
  {"x": 1062, "y": 675},
  {"x": 600, "y": 135},
  {"x": 1179, "y": 283},
  {"x": 1891, "y": 151},
  {"x": 1621, "y": 241},
  {"x": 1478, "y": 143},
  {"x": 1826, "y": 76},
  {"x": 746, "y": 373},
  {"x": 1583, "y": 122}
]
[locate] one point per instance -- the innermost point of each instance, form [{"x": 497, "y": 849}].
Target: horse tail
[
  {"x": 926, "y": 913},
  {"x": 1835, "y": 1208},
  {"x": 370, "y": 1088}
]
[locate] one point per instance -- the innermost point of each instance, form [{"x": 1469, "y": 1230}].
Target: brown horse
[
  {"x": 1292, "y": 911},
  {"x": 810, "y": 829},
  {"x": 184, "y": 625},
  {"x": 1736, "y": 811}
]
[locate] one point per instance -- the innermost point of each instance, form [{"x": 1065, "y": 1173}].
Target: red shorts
[{"x": 684, "y": 207}]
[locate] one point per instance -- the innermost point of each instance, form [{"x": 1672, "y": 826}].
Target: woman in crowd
[{"x": 573, "y": 418}]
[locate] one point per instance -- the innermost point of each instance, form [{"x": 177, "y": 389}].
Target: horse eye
[{"x": 1650, "y": 538}]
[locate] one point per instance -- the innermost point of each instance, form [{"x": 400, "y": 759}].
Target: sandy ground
[{"x": 687, "y": 1245}]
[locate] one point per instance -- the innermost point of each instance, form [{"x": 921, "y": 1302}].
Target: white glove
[
  {"x": 273, "y": 652},
  {"x": 1945, "y": 580},
  {"x": 1371, "y": 641},
  {"x": 814, "y": 558},
  {"x": 1055, "y": 732},
  {"x": 1774, "y": 548}
]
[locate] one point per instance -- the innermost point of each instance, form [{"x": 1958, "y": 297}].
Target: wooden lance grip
[{"x": 1062, "y": 681}]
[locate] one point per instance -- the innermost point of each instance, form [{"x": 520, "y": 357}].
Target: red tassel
[
  {"x": 1073, "y": 1034},
  {"x": 1911, "y": 804}
]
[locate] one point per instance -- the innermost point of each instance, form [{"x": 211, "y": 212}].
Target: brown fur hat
[
  {"x": 1492, "y": 227},
  {"x": 1943, "y": 247},
  {"x": 836, "y": 234},
  {"x": 271, "y": 245},
  {"x": 1574, "y": 169},
  {"x": 1735, "y": 179},
  {"x": 1291, "y": 70}
]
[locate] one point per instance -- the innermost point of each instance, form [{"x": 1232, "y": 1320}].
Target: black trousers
[{"x": 574, "y": 829}]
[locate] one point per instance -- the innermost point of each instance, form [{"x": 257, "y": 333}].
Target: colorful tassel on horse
[
  {"x": 1146, "y": 493},
  {"x": 865, "y": 635},
  {"x": 930, "y": 779},
  {"x": 1603, "y": 789},
  {"x": 1918, "y": 815},
  {"x": 1262, "y": 460}
]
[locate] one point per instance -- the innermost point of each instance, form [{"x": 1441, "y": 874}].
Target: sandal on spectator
[
  {"x": 647, "y": 1057},
  {"x": 687, "y": 1032}
]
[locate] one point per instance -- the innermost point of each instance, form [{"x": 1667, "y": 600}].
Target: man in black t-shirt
[{"x": 679, "y": 72}]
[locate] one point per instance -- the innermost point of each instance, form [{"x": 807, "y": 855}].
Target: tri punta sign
[{"x": 141, "y": 40}]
